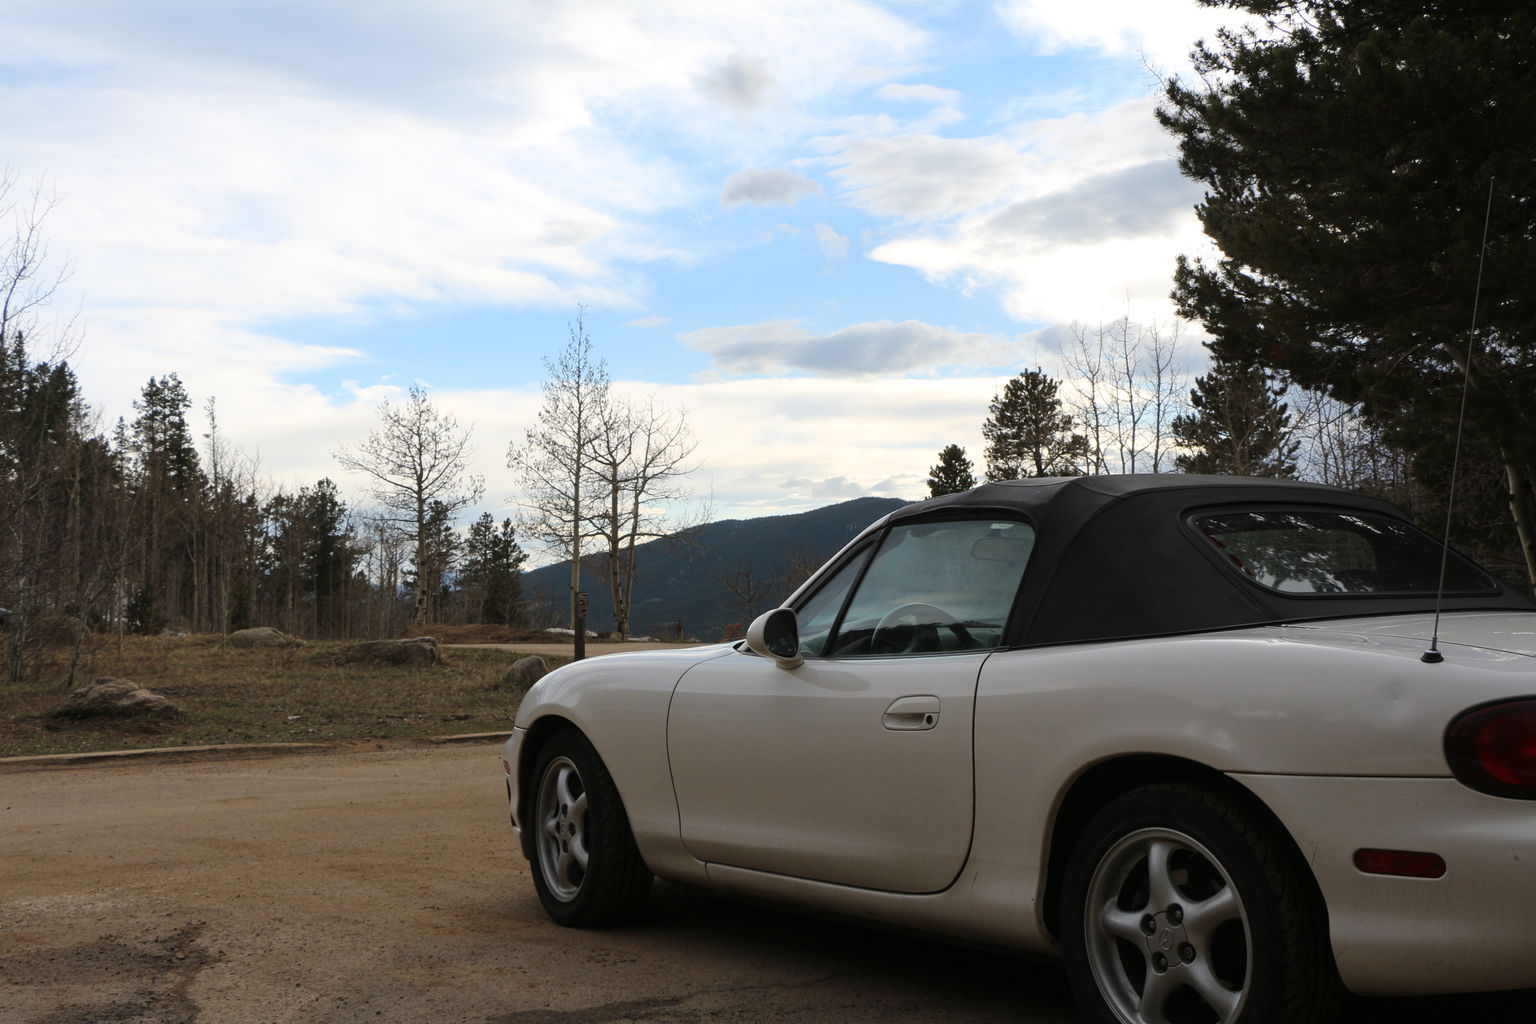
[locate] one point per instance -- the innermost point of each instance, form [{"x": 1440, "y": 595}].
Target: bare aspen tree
[
  {"x": 49, "y": 468},
  {"x": 416, "y": 460},
  {"x": 752, "y": 590},
  {"x": 1166, "y": 383},
  {"x": 1340, "y": 447},
  {"x": 385, "y": 558},
  {"x": 1125, "y": 367},
  {"x": 642, "y": 455},
  {"x": 1087, "y": 361},
  {"x": 25, "y": 287},
  {"x": 224, "y": 491},
  {"x": 555, "y": 459},
  {"x": 1125, "y": 391}
]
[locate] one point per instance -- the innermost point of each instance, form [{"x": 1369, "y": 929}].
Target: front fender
[{"x": 619, "y": 702}]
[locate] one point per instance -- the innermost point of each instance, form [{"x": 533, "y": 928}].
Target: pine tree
[
  {"x": 329, "y": 554},
  {"x": 1028, "y": 434},
  {"x": 953, "y": 473},
  {"x": 161, "y": 440},
  {"x": 168, "y": 486},
  {"x": 1239, "y": 426},
  {"x": 490, "y": 574},
  {"x": 1349, "y": 151},
  {"x": 61, "y": 531}
]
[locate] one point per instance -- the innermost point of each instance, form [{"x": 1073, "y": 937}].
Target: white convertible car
[{"x": 1185, "y": 732}]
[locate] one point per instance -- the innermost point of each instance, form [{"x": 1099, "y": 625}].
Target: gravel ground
[{"x": 384, "y": 885}]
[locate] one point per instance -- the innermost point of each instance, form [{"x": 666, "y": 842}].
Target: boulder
[
  {"x": 525, "y": 672},
  {"x": 115, "y": 698},
  {"x": 416, "y": 650},
  {"x": 263, "y": 636}
]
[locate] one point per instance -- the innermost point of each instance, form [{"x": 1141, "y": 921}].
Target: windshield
[{"x": 1304, "y": 552}]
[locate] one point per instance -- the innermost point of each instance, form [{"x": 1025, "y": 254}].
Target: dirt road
[{"x": 384, "y": 886}]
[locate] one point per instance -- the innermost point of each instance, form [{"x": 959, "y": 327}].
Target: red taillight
[{"x": 1493, "y": 748}]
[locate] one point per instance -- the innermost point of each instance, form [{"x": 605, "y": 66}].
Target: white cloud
[
  {"x": 1163, "y": 32},
  {"x": 740, "y": 83},
  {"x": 946, "y": 103},
  {"x": 880, "y": 348},
  {"x": 917, "y": 177},
  {"x": 833, "y": 440},
  {"x": 899, "y": 92},
  {"x": 840, "y": 488},
  {"x": 1144, "y": 199},
  {"x": 233, "y": 166},
  {"x": 228, "y": 168},
  {"x": 833, "y": 245},
  {"x": 765, "y": 186},
  {"x": 1068, "y": 218}
]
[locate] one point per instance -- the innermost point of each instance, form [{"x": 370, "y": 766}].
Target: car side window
[
  {"x": 817, "y": 615},
  {"x": 936, "y": 587}
]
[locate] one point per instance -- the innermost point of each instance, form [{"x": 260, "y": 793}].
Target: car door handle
[{"x": 912, "y": 714}]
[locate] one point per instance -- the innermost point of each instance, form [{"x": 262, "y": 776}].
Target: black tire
[
  {"x": 1236, "y": 932},
  {"x": 586, "y": 867}
]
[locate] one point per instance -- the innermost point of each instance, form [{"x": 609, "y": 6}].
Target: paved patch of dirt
[{"x": 144, "y": 979}]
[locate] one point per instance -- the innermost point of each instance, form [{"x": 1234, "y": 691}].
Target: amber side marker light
[
  {"x": 1400, "y": 863},
  {"x": 1492, "y": 748}
]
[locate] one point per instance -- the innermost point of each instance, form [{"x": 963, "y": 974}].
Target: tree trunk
[
  {"x": 419, "y": 618},
  {"x": 1520, "y": 511},
  {"x": 576, "y": 623}
]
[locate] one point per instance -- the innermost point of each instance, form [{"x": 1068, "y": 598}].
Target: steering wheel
[{"x": 909, "y": 628}]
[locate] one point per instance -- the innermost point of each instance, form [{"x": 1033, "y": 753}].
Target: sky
[{"x": 827, "y": 230}]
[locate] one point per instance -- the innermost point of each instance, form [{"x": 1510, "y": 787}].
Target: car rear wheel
[
  {"x": 1183, "y": 906},
  {"x": 587, "y": 869}
]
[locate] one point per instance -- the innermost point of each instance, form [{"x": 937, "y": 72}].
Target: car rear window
[{"x": 1305, "y": 552}]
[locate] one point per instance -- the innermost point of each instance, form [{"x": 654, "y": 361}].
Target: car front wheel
[
  {"x": 587, "y": 870},
  {"x": 1182, "y": 906}
]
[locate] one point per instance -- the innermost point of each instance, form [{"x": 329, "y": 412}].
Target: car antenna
[{"x": 1432, "y": 655}]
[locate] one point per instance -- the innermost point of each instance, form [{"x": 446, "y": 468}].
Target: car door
[{"x": 856, "y": 767}]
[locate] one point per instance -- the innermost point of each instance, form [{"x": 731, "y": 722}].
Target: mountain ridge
[{"x": 684, "y": 579}]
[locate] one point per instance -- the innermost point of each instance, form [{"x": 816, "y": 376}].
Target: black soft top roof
[{"x": 1115, "y": 559}]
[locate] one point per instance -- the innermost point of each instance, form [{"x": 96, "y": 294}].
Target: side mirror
[{"x": 776, "y": 635}]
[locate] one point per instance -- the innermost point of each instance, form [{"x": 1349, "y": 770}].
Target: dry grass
[{"x": 262, "y": 696}]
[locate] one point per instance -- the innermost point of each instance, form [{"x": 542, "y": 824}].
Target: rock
[
  {"x": 263, "y": 636},
  {"x": 115, "y": 698},
  {"x": 416, "y": 650},
  {"x": 525, "y": 672}
]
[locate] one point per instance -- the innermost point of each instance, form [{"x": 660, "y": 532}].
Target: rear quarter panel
[{"x": 1273, "y": 701}]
